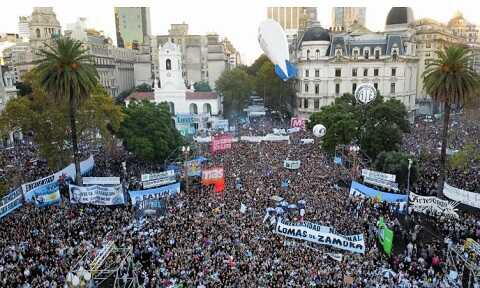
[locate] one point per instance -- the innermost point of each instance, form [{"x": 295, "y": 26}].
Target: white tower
[{"x": 170, "y": 67}]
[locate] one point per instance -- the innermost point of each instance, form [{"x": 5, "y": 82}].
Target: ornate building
[
  {"x": 331, "y": 64},
  {"x": 7, "y": 87}
]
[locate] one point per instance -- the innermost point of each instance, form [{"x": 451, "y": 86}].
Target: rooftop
[{"x": 140, "y": 96}]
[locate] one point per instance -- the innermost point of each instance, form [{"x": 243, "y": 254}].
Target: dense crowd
[{"x": 205, "y": 240}]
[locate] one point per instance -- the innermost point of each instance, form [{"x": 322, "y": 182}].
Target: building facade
[
  {"x": 344, "y": 17},
  {"x": 132, "y": 25},
  {"x": 292, "y": 19},
  {"x": 332, "y": 64},
  {"x": 204, "y": 57},
  {"x": 7, "y": 87}
]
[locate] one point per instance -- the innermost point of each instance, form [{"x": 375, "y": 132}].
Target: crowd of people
[{"x": 207, "y": 240}]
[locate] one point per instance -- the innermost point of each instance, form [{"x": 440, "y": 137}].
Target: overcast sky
[{"x": 237, "y": 20}]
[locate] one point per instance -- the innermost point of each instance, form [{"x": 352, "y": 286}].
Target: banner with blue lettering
[
  {"x": 10, "y": 202},
  {"x": 157, "y": 193},
  {"x": 184, "y": 118},
  {"x": 358, "y": 189},
  {"x": 151, "y": 207},
  {"x": 97, "y": 195}
]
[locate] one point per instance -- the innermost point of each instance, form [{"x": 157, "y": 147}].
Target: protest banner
[
  {"x": 151, "y": 207},
  {"x": 297, "y": 122},
  {"x": 385, "y": 236},
  {"x": 156, "y": 193},
  {"x": 378, "y": 175},
  {"x": 101, "y": 180},
  {"x": 434, "y": 206},
  {"x": 194, "y": 168},
  {"x": 11, "y": 201},
  {"x": 307, "y": 141},
  {"x": 462, "y": 196},
  {"x": 357, "y": 189},
  {"x": 42, "y": 192},
  {"x": 291, "y": 164},
  {"x": 96, "y": 195},
  {"x": 212, "y": 175},
  {"x": 221, "y": 142},
  {"x": 221, "y": 124},
  {"x": 159, "y": 175},
  {"x": 321, "y": 235},
  {"x": 273, "y": 138},
  {"x": 86, "y": 166},
  {"x": 293, "y": 130},
  {"x": 381, "y": 183},
  {"x": 279, "y": 131}
]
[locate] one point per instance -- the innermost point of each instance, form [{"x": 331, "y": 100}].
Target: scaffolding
[{"x": 109, "y": 266}]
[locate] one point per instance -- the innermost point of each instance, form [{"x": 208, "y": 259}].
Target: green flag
[{"x": 385, "y": 236}]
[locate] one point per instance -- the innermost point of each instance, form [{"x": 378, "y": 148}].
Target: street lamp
[
  {"x": 354, "y": 151},
  {"x": 408, "y": 182},
  {"x": 186, "y": 151}
]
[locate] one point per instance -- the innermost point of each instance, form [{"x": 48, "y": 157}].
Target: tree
[
  {"x": 144, "y": 87},
  {"x": 275, "y": 92},
  {"x": 394, "y": 162},
  {"x": 255, "y": 67},
  {"x": 235, "y": 86},
  {"x": 462, "y": 159},
  {"x": 67, "y": 73},
  {"x": 451, "y": 81},
  {"x": 377, "y": 126},
  {"x": 202, "y": 86},
  {"x": 148, "y": 131}
]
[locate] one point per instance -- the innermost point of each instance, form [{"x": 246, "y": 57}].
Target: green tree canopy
[
  {"x": 276, "y": 93},
  {"x": 202, "y": 86},
  {"x": 451, "y": 80},
  {"x": 257, "y": 64},
  {"x": 377, "y": 126},
  {"x": 148, "y": 131},
  {"x": 236, "y": 87},
  {"x": 144, "y": 87},
  {"x": 394, "y": 162}
]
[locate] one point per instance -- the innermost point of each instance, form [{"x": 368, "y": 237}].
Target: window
[
  {"x": 365, "y": 72},
  {"x": 317, "y": 89},
  {"x": 377, "y": 54},
  {"x": 306, "y": 88},
  {"x": 355, "y": 53},
  {"x": 316, "y": 104},
  {"x": 366, "y": 53},
  {"x": 394, "y": 72},
  {"x": 428, "y": 45},
  {"x": 193, "y": 108},
  {"x": 375, "y": 72},
  {"x": 354, "y": 88},
  {"x": 317, "y": 54},
  {"x": 338, "y": 52},
  {"x": 354, "y": 72},
  {"x": 317, "y": 73},
  {"x": 37, "y": 33},
  {"x": 338, "y": 72},
  {"x": 305, "y": 103},
  {"x": 307, "y": 73},
  {"x": 308, "y": 54},
  {"x": 337, "y": 89},
  {"x": 375, "y": 85},
  {"x": 392, "y": 88},
  {"x": 395, "y": 55},
  {"x": 168, "y": 64}
]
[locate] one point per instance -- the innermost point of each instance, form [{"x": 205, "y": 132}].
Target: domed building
[{"x": 332, "y": 64}]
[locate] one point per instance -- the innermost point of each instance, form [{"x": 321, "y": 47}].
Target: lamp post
[
  {"x": 354, "y": 151},
  {"x": 186, "y": 151},
  {"x": 408, "y": 182}
]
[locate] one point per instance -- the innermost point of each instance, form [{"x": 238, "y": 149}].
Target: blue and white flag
[
  {"x": 285, "y": 183},
  {"x": 156, "y": 193},
  {"x": 338, "y": 160},
  {"x": 42, "y": 192}
]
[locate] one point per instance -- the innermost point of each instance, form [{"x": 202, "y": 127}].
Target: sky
[{"x": 236, "y": 20}]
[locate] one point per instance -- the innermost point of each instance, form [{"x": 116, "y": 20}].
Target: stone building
[
  {"x": 7, "y": 87},
  {"x": 331, "y": 64},
  {"x": 344, "y": 17}
]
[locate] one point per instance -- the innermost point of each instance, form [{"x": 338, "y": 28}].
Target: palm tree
[
  {"x": 450, "y": 80},
  {"x": 67, "y": 73}
]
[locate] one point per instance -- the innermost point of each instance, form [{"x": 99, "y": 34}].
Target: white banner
[
  {"x": 378, "y": 175},
  {"x": 291, "y": 164},
  {"x": 382, "y": 183},
  {"x": 255, "y": 139},
  {"x": 462, "y": 196},
  {"x": 293, "y": 130},
  {"x": 158, "y": 182},
  {"x": 199, "y": 139},
  {"x": 97, "y": 195},
  {"x": 353, "y": 243},
  {"x": 101, "y": 180},
  {"x": 160, "y": 175},
  {"x": 273, "y": 137},
  {"x": 433, "y": 205},
  {"x": 307, "y": 141},
  {"x": 279, "y": 131}
]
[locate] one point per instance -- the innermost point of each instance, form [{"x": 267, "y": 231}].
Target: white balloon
[{"x": 319, "y": 130}]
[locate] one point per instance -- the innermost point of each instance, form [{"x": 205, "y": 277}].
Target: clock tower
[{"x": 170, "y": 67}]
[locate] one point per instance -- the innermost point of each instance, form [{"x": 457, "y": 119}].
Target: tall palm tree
[
  {"x": 67, "y": 73},
  {"x": 450, "y": 80}
]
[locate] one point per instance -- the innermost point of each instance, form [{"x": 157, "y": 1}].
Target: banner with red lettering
[
  {"x": 297, "y": 122},
  {"x": 212, "y": 176},
  {"x": 221, "y": 142}
]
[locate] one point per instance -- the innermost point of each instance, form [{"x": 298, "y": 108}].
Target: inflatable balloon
[
  {"x": 274, "y": 44},
  {"x": 319, "y": 130}
]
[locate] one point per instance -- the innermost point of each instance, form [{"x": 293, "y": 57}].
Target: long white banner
[
  {"x": 433, "y": 205},
  {"x": 159, "y": 175},
  {"x": 378, "y": 175},
  {"x": 353, "y": 243},
  {"x": 291, "y": 164},
  {"x": 381, "y": 183},
  {"x": 101, "y": 180},
  {"x": 97, "y": 195},
  {"x": 462, "y": 196}
]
